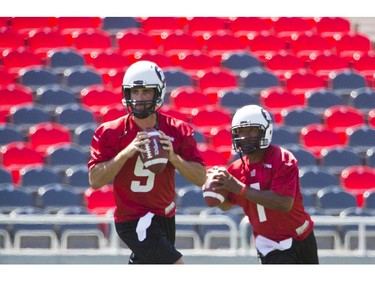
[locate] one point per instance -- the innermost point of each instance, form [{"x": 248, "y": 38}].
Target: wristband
[{"x": 243, "y": 190}]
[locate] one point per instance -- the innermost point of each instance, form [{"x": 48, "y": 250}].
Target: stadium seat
[
  {"x": 112, "y": 112},
  {"x": 186, "y": 234},
  {"x": 10, "y": 133},
  {"x": 301, "y": 81},
  {"x": 10, "y": 39},
  {"x": 174, "y": 112},
  {"x": 45, "y": 134},
  {"x": 371, "y": 118},
  {"x": 257, "y": 78},
  {"x": 335, "y": 199},
  {"x": 12, "y": 198},
  {"x": 96, "y": 97},
  {"x": 275, "y": 99},
  {"x": 107, "y": 60},
  {"x": 265, "y": 43},
  {"x": 77, "y": 177},
  {"x": 350, "y": 43},
  {"x": 315, "y": 137},
  {"x": 358, "y": 179},
  {"x": 89, "y": 40},
  {"x": 343, "y": 82},
  {"x": 54, "y": 196},
  {"x": 61, "y": 157},
  {"x": 25, "y": 25},
  {"x": 190, "y": 200},
  {"x": 52, "y": 96},
  {"x": 195, "y": 61},
  {"x": 83, "y": 134},
  {"x": 332, "y": 25},
  {"x": 33, "y": 236},
  {"x": 248, "y": 25},
  {"x": 180, "y": 42},
  {"x": 341, "y": 117},
  {"x": 200, "y": 25},
  {"x": 282, "y": 62},
  {"x": 282, "y": 136},
  {"x": 324, "y": 63},
  {"x": 6, "y": 78},
  {"x": 42, "y": 40},
  {"x": 79, "y": 77},
  {"x": 79, "y": 235},
  {"x": 159, "y": 26},
  {"x": 362, "y": 99},
  {"x": 337, "y": 159},
  {"x": 236, "y": 98},
  {"x": 306, "y": 44},
  {"x": 218, "y": 43},
  {"x": 70, "y": 24},
  {"x": 73, "y": 115},
  {"x": 15, "y": 95},
  {"x": 5, "y": 178},
  {"x": 304, "y": 157},
  {"x": 31, "y": 178},
  {"x": 116, "y": 24},
  {"x": 319, "y": 100},
  {"x": 364, "y": 63},
  {"x": 299, "y": 117},
  {"x": 369, "y": 157},
  {"x": 238, "y": 61},
  {"x": 210, "y": 116},
  {"x": 99, "y": 201},
  {"x": 35, "y": 77},
  {"x": 361, "y": 138},
  {"x": 369, "y": 200},
  {"x": 284, "y": 27},
  {"x": 177, "y": 77},
  {"x": 162, "y": 60},
  {"x": 212, "y": 156},
  {"x": 16, "y": 59},
  {"x": 26, "y": 116},
  {"x": 130, "y": 41},
  {"x": 62, "y": 58},
  {"x": 186, "y": 98},
  {"x": 350, "y": 232}
]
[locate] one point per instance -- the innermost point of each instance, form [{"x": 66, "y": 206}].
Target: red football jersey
[
  {"x": 277, "y": 172},
  {"x": 138, "y": 191}
]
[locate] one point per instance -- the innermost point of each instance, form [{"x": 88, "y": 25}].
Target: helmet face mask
[
  {"x": 143, "y": 74},
  {"x": 251, "y": 116}
]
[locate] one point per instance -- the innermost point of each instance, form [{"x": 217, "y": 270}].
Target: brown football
[
  {"x": 213, "y": 197},
  {"x": 156, "y": 157}
]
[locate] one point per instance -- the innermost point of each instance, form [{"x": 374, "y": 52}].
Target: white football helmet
[
  {"x": 250, "y": 116},
  {"x": 148, "y": 75}
]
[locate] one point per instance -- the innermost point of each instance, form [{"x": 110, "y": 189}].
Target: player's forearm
[
  {"x": 103, "y": 173},
  {"x": 191, "y": 171}
]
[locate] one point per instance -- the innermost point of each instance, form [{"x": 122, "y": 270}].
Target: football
[
  {"x": 156, "y": 157},
  {"x": 212, "y": 197}
]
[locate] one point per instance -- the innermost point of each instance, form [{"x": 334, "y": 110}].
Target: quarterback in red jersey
[
  {"x": 265, "y": 183},
  {"x": 145, "y": 207}
]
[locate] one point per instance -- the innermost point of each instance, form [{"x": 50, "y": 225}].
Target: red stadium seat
[
  {"x": 315, "y": 137},
  {"x": 43, "y": 135},
  {"x": 349, "y": 43},
  {"x": 17, "y": 155},
  {"x": 212, "y": 156},
  {"x": 25, "y": 24},
  {"x": 364, "y": 63},
  {"x": 10, "y": 39},
  {"x": 301, "y": 81},
  {"x": 282, "y": 62},
  {"x": 332, "y": 25},
  {"x": 245, "y": 25},
  {"x": 341, "y": 117},
  {"x": 210, "y": 116},
  {"x": 358, "y": 178},
  {"x": 275, "y": 99},
  {"x": 6, "y": 78},
  {"x": 96, "y": 97},
  {"x": 185, "y": 98},
  {"x": 99, "y": 201},
  {"x": 262, "y": 44},
  {"x": 134, "y": 40},
  {"x": 160, "y": 59},
  {"x": 284, "y": 27},
  {"x": 177, "y": 42},
  {"x": 174, "y": 112},
  {"x": 70, "y": 24},
  {"x": 15, "y": 95},
  {"x": 326, "y": 62},
  {"x": 16, "y": 59},
  {"x": 107, "y": 60},
  {"x": 112, "y": 112},
  {"x": 196, "y": 61},
  {"x": 217, "y": 77},
  {"x": 303, "y": 45},
  {"x": 371, "y": 118},
  {"x": 200, "y": 25},
  {"x": 161, "y": 25},
  {"x": 42, "y": 40}
]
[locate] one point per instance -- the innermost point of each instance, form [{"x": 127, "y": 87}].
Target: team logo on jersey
[{"x": 252, "y": 173}]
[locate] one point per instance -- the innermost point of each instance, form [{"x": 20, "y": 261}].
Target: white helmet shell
[{"x": 254, "y": 115}]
